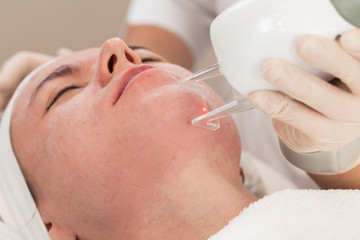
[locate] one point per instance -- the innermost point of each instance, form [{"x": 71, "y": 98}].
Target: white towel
[
  {"x": 298, "y": 214},
  {"x": 6, "y": 233}
]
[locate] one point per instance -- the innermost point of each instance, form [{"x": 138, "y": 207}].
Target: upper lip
[{"x": 126, "y": 77}]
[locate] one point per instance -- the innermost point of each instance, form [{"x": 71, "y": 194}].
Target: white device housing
[{"x": 251, "y": 31}]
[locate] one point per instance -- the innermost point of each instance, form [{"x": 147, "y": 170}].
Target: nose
[{"x": 115, "y": 56}]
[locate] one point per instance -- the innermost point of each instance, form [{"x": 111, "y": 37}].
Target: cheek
[
  {"x": 102, "y": 153},
  {"x": 83, "y": 166},
  {"x": 175, "y": 70},
  {"x": 72, "y": 134},
  {"x": 164, "y": 110},
  {"x": 162, "y": 123}
]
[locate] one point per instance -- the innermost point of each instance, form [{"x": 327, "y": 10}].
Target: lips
[{"x": 126, "y": 78}]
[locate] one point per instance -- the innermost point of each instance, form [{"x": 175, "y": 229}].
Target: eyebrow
[
  {"x": 137, "y": 47},
  {"x": 62, "y": 71}
]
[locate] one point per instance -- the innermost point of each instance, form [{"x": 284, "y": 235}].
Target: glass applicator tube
[
  {"x": 209, "y": 120},
  {"x": 243, "y": 36}
]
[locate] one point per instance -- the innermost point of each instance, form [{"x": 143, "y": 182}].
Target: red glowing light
[{"x": 203, "y": 108}]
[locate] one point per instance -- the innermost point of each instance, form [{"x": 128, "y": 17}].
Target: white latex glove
[
  {"x": 14, "y": 70},
  {"x": 310, "y": 114}
]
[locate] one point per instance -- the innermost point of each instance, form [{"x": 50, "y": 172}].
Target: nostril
[
  {"x": 111, "y": 63},
  {"x": 129, "y": 57}
]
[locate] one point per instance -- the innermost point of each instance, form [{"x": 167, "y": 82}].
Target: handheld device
[{"x": 251, "y": 31}]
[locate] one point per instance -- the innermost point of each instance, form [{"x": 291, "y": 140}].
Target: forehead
[{"x": 85, "y": 59}]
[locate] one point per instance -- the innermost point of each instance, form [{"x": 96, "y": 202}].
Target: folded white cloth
[
  {"x": 6, "y": 233},
  {"x": 298, "y": 214}
]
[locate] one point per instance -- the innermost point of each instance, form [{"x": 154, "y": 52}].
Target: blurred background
[{"x": 45, "y": 26}]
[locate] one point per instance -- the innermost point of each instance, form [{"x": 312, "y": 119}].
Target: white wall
[{"x": 46, "y": 25}]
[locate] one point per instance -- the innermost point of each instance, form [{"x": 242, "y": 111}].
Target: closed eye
[
  {"x": 144, "y": 60},
  {"x": 59, "y": 94}
]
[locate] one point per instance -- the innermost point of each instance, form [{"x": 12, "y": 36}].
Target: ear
[{"x": 57, "y": 232}]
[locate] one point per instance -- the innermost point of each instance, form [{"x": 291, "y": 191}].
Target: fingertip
[
  {"x": 253, "y": 96},
  {"x": 350, "y": 41},
  {"x": 273, "y": 103},
  {"x": 257, "y": 98},
  {"x": 272, "y": 70},
  {"x": 302, "y": 40},
  {"x": 303, "y": 43},
  {"x": 309, "y": 47},
  {"x": 264, "y": 100}
]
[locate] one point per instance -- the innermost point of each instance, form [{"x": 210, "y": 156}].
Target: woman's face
[{"x": 101, "y": 130}]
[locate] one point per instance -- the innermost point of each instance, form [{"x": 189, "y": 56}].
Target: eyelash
[
  {"x": 59, "y": 94},
  {"x": 150, "y": 60},
  {"x": 71, "y": 87}
]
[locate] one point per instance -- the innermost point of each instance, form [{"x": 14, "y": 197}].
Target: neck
[{"x": 200, "y": 207}]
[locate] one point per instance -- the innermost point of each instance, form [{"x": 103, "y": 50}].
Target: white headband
[{"x": 17, "y": 207}]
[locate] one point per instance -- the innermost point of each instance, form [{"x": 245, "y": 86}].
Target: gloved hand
[{"x": 310, "y": 114}]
